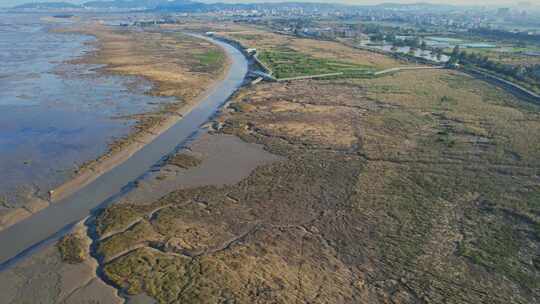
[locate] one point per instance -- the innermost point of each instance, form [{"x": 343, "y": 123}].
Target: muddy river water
[{"x": 44, "y": 225}]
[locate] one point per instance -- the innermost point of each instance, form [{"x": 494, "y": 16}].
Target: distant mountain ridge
[
  {"x": 46, "y": 5},
  {"x": 193, "y": 6},
  {"x": 182, "y": 5},
  {"x": 150, "y": 4},
  {"x": 166, "y": 5},
  {"x": 97, "y": 4}
]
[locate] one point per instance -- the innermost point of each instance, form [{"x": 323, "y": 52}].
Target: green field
[
  {"x": 210, "y": 60},
  {"x": 286, "y": 63}
]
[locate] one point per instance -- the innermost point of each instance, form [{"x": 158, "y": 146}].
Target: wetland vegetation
[
  {"x": 407, "y": 188},
  {"x": 287, "y": 63},
  {"x": 414, "y": 187}
]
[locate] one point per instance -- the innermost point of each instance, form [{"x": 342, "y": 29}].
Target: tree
[
  {"x": 520, "y": 71},
  {"x": 438, "y": 53},
  {"x": 377, "y": 37},
  {"x": 456, "y": 51},
  {"x": 416, "y": 42},
  {"x": 453, "y": 61}
]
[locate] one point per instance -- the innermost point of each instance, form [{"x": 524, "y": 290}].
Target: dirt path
[{"x": 399, "y": 69}]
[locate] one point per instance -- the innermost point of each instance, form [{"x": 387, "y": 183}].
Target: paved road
[{"x": 512, "y": 86}]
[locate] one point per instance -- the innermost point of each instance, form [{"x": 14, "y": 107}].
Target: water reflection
[{"x": 54, "y": 115}]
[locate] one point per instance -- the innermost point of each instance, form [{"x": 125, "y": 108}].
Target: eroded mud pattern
[{"x": 390, "y": 192}]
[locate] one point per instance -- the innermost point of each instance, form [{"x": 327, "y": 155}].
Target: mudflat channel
[{"x": 46, "y": 223}]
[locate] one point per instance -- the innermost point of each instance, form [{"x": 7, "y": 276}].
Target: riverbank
[
  {"x": 123, "y": 56},
  {"x": 150, "y": 56},
  {"x": 512, "y": 87},
  {"x": 221, "y": 160},
  {"x": 48, "y": 278},
  {"x": 29, "y": 234}
]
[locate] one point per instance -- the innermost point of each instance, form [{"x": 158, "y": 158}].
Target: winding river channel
[{"x": 23, "y": 237}]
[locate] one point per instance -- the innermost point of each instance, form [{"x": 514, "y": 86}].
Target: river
[{"x": 28, "y": 234}]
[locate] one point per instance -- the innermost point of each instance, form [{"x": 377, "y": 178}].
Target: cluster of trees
[
  {"x": 296, "y": 24},
  {"x": 527, "y": 74},
  {"x": 414, "y": 43},
  {"x": 384, "y": 33},
  {"x": 375, "y": 29},
  {"x": 495, "y": 34}
]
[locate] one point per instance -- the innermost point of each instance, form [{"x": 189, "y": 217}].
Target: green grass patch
[
  {"x": 121, "y": 242},
  {"x": 211, "y": 58},
  {"x": 71, "y": 249},
  {"x": 496, "y": 241},
  {"x": 286, "y": 63},
  {"x": 184, "y": 161},
  {"x": 251, "y": 37}
]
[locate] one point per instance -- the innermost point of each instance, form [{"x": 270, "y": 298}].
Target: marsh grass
[
  {"x": 286, "y": 62},
  {"x": 211, "y": 60},
  {"x": 184, "y": 161},
  {"x": 413, "y": 186},
  {"x": 72, "y": 249}
]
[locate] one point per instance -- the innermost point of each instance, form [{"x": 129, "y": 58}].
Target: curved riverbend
[{"x": 47, "y": 223}]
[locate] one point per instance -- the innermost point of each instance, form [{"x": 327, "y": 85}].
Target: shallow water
[
  {"x": 54, "y": 115},
  {"x": 225, "y": 160},
  {"x": 417, "y": 53},
  {"x": 27, "y": 234}
]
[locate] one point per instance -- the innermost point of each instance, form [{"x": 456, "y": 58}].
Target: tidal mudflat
[
  {"x": 88, "y": 97},
  {"x": 386, "y": 192},
  {"x": 217, "y": 160},
  {"x": 158, "y": 134},
  {"x": 55, "y": 116},
  {"x": 74, "y": 281},
  {"x": 48, "y": 278},
  {"x": 417, "y": 187}
]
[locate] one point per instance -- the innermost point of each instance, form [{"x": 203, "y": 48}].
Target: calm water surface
[
  {"x": 21, "y": 239},
  {"x": 55, "y": 115}
]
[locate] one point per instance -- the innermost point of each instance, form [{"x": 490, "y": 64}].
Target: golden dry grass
[
  {"x": 167, "y": 60},
  {"x": 178, "y": 66},
  {"x": 264, "y": 40},
  {"x": 475, "y": 111},
  {"x": 420, "y": 186}
]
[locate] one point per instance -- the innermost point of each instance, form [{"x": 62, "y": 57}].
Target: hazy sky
[{"x": 4, "y": 3}]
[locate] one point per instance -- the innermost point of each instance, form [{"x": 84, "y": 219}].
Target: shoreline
[
  {"x": 138, "y": 139},
  {"x": 77, "y": 281},
  {"x": 108, "y": 187},
  {"x": 121, "y": 149}
]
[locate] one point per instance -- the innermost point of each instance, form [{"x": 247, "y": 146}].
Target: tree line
[{"x": 528, "y": 74}]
